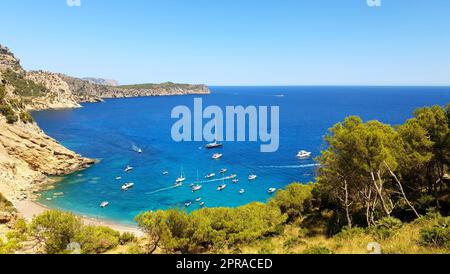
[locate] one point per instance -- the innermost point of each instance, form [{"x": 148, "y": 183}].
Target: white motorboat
[
  {"x": 303, "y": 154},
  {"x": 242, "y": 191},
  {"x": 104, "y": 204},
  {"x": 214, "y": 145},
  {"x": 178, "y": 184},
  {"x": 235, "y": 181},
  {"x": 221, "y": 187},
  {"x": 210, "y": 176},
  {"x": 217, "y": 156},
  {"x": 223, "y": 171},
  {"x": 127, "y": 186},
  {"x": 196, "y": 188},
  {"x": 272, "y": 190},
  {"x": 118, "y": 178},
  {"x": 165, "y": 173},
  {"x": 252, "y": 177},
  {"x": 128, "y": 169},
  {"x": 233, "y": 176},
  {"x": 198, "y": 199},
  {"x": 202, "y": 204},
  {"x": 188, "y": 204}
]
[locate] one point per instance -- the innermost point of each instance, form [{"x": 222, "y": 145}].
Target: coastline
[{"x": 28, "y": 209}]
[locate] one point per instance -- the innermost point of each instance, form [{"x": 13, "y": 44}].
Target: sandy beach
[{"x": 30, "y": 209}]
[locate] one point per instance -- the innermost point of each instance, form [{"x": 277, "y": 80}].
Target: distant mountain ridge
[{"x": 101, "y": 81}]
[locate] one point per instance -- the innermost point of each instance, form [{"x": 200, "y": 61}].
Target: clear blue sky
[{"x": 235, "y": 42}]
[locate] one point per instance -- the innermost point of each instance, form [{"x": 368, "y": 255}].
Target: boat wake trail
[
  {"x": 292, "y": 166},
  {"x": 197, "y": 183}
]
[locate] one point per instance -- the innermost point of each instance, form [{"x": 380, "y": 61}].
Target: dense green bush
[
  {"x": 318, "y": 249},
  {"x": 386, "y": 227},
  {"x": 127, "y": 237},
  {"x": 349, "y": 233},
  {"x": 97, "y": 239},
  {"x": 54, "y": 230},
  {"x": 437, "y": 235},
  {"x": 26, "y": 117},
  {"x": 2, "y": 92},
  {"x": 295, "y": 201},
  {"x": 209, "y": 229}
]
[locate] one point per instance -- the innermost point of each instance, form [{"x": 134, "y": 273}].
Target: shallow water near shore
[{"x": 108, "y": 131}]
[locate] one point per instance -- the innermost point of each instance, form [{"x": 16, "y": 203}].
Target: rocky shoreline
[{"x": 27, "y": 155}]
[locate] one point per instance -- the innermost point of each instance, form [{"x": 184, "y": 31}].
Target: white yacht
[
  {"x": 181, "y": 179},
  {"x": 272, "y": 190},
  {"x": 242, "y": 191},
  {"x": 202, "y": 204},
  {"x": 196, "y": 188},
  {"x": 217, "y": 156},
  {"x": 188, "y": 204},
  {"x": 303, "y": 154},
  {"x": 127, "y": 186},
  {"x": 223, "y": 171},
  {"x": 252, "y": 177},
  {"x": 235, "y": 181},
  {"x": 210, "y": 176},
  {"x": 165, "y": 173},
  {"x": 178, "y": 184},
  {"x": 214, "y": 145},
  {"x": 233, "y": 176},
  {"x": 118, "y": 178},
  {"x": 128, "y": 169},
  {"x": 104, "y": 204},
  {"x": 198, "y": 199},
  {"x": 221, "y": 187}
]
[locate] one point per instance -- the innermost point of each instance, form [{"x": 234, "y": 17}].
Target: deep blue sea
[{"x": 108, "y": 131}]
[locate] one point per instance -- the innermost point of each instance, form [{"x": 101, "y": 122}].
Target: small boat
[
  {"x": 128, "y": 169},
  {"x": 188, "y": 204},
  {"x": 178, "y": 184},
  {"x": 223, "y": 171},
  {"x": 202, "y": 204},
  {"x": 196, "y": 188},
  {"x": 217, "y": 156},
  {"x": 242, "y": 191},
  {"x": 165, "y": 173},
  {"x": 127, "y": 186},
  {"x": 118, "y": 178},
  {"x": 252, "y": 177},
  {"x": 198, "y": 199},
  {"x": 136, "y": 149},
  {"x": 303, "y": 154},
  {"x": 104, "y": 204},
  {"x": 214, "y": 145},
  {"x": 211, "y": 175},
  {"x": 221, "y": 187},
  {"x": 272, "y": 190},
  {"x": 233, "y": 176},
  {"x": 180, "y": 179},
  {"x": 235, "y": 181},
  {"x": 49, "y": 199}
]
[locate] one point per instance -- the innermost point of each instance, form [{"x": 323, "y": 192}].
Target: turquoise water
[{"x": 108, "y": 131}]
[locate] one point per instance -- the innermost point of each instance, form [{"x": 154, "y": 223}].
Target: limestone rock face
[
  {"x": 59, "y": 94},
  {"x": 28, "y": 156}
]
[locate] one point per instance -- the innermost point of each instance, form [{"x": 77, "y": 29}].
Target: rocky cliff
[{"x": 28, "y": 155}]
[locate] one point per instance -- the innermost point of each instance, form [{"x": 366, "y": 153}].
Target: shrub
[
  {"x": 26, "y": 117},
  {"x": 54, "y": 230},
  {"x": 437, "y": 235},
  {"x": 97, "y": 239},
  {"x": 349, "y": 233},
  {"x": 2, "y": 92},
  {"x": 386, "y": 227},
  {"x": 318, "y": 249},
  {"x": 127, "y": 237},
  {"x": 295, "y": 201}
]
